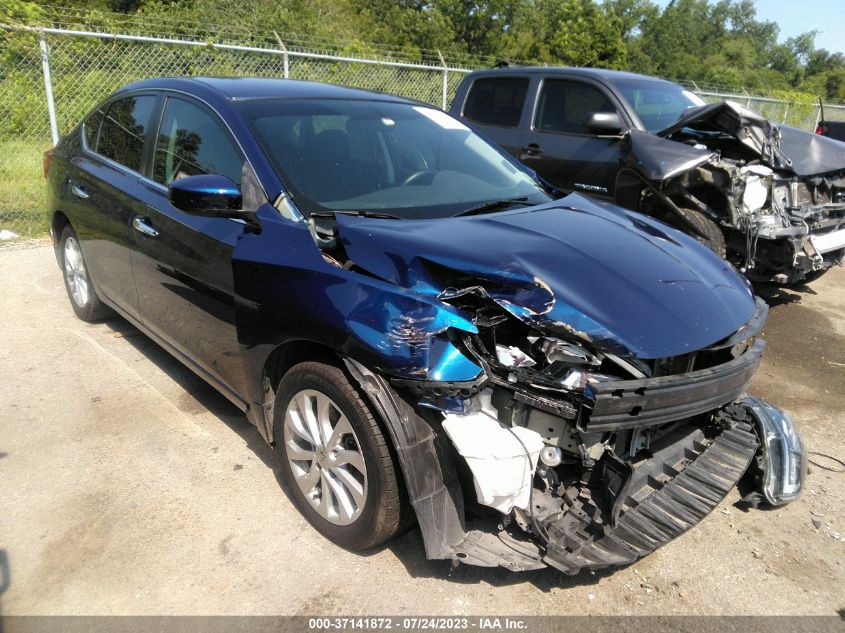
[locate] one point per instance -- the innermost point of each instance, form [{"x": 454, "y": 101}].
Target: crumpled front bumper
[
  {"x": 757, "y": 435},
  {"x": 759, "y": 431}
]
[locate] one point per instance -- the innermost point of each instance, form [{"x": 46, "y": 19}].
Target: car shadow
[
  {"x": 203, "y": 393},
  {"x": 778, "y": 295},
  {"x": 407, "y": 547}
]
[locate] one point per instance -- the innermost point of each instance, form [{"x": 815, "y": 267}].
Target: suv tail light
[
  {"x": 821, "y": 129},
  {"x": 48, "y": 159}
]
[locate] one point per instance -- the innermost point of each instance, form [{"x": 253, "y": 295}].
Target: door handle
[
  {"x": 530, "y": 151},
  {"x": 140, "y": 225},
  {"x": 79, "y": 192}
]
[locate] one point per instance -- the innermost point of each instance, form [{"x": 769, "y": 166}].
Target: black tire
[
  {"x": 89, "y": 308},
  {"x": 385, "y": 509},
  {"x": 713, "y": 238}
]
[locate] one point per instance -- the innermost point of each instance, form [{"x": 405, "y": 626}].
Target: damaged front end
[
  {"x": 777, "y": 193},
  {"x": 603, "y": 420},
  {"x": 625, "y": 454}
]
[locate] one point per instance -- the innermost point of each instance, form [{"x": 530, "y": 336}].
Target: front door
[
  {"x": 560, "y": 147},
  {"x": 183, "y": 263}
]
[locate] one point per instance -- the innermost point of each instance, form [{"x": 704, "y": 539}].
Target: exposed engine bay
[{"x": 776, "y": 193}]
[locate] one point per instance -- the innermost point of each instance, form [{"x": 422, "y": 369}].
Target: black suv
[{"x": 769, "y": 198}]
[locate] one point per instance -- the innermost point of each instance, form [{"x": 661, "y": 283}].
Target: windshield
[
  {"x": 658, "y": 104},
  {"x": 404, "y": 160}
]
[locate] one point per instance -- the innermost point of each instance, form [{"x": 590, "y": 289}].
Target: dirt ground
[{"x": 129, "y": 486}]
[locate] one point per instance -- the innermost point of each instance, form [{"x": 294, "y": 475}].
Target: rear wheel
[
  {"x": 335, "y": 460},
  {"x": 712, "y": 236},
  {"x": 80, "y": 290}
]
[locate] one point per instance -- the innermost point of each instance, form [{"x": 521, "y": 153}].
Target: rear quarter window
[
  {"x": 91, "y": 128},
  {"x": 496, "y": 101}
]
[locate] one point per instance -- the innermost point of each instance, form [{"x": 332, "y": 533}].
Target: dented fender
[{"x": 285, "y": 291}]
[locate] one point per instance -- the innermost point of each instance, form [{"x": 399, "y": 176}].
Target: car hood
[
  {"x": 624, "y": 282},
  {"x": 780, "y": 147}
]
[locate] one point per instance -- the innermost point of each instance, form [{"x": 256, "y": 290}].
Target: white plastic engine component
[
  {"x": 757, "y": 185},
  {"x": 501, "y": 471}
]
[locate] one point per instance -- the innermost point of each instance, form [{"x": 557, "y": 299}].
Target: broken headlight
[{"x": 784, "y": 459}]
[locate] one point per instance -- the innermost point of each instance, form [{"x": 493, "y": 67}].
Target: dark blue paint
[
  {"x": 204, "y": 193},
  {"x": 287, "y": 292},
  {"x": 623, "y": 281},
  {"x": 627, "y": 282}
]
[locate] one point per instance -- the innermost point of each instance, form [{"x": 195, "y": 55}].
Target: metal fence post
[
  {"x": 48, "y": 89},
  {"x": 445, "y": 78},
  {"x": 285, "y": 62}
]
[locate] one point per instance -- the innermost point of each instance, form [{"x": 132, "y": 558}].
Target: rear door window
[
  {"x": 123, "y": 128},
  {"x": 564, "y": 106},
  {"x": 496, "y": 101},
  {"x": 191, "y": 141}
]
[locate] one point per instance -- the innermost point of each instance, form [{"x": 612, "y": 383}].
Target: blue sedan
[{"x": 423, "y": 329}]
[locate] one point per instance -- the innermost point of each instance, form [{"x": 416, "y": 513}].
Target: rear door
[
  {"x": 557, "y": 143},
  {"x": 106, "y": 188},
  {"x": 494, "y": 106},
  {"x": 183, "y": 263}
]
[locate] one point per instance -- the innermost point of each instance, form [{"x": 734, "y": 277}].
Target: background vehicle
[
  {"x": 768, "y": 198},
  {"x": 326, "y": 258},
  {"x": 832, "y": 129}
]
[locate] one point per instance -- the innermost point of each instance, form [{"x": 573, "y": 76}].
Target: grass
[{"x": 22, "y": 187}]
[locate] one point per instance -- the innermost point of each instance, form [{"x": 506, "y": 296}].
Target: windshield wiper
[
  {"x": 358, "y": 213},
  {"x": 496, "y": 204}
]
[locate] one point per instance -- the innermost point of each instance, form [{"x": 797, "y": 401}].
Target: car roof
[
  {"x": 598, "y": 73},
  {"x": 242, "y": 88}
]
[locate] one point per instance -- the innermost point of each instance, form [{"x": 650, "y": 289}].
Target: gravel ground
[{"x": 131, "y": 487}]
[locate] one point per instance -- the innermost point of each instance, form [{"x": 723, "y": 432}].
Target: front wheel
[
  {"x": 335, "y": 461},
  {"x": 711, "y": 235}
]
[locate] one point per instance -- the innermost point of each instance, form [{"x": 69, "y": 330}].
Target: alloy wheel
[
  {"x": 325, "y": 457},
  {"x": 77, "y": 276}
]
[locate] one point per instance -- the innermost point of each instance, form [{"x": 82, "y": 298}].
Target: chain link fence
[
  {"x": 804, "y": 115},
  {"x": 51, "y": 77},
  {"x": 84, "y": 68}
]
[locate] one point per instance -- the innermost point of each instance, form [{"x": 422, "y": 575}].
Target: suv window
[
  {"x": 564, "y": 106},
  {"x": 191, "y": 142},
  {"x": 122, "y": 130},
  {"x": 496, "y": 101}
]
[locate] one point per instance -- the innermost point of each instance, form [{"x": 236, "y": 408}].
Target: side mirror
[
  {"x": 604, "y": 123},
  {"x": 207, "y": 195}
]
